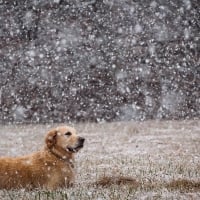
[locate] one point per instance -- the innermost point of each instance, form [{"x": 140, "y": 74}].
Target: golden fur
[{"x": 50, "y": 168}]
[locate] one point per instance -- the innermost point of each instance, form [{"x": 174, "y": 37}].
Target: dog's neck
[{"x": 61, "y": 154}]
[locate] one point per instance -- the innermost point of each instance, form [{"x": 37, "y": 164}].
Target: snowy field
[{"x": 162, "y": 157}]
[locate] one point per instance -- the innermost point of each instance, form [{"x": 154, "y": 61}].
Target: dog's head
[{"x": 64, "y": 140}]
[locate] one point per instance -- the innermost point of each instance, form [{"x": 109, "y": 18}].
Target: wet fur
[{"x": 50, "y": 168}]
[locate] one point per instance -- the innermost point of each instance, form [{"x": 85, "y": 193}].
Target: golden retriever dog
[{"x": 50, "y": 168}]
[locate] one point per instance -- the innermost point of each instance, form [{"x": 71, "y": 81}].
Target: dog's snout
[{"x": 81, "y": 140}]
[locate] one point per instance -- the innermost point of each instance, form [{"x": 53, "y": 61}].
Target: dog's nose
[{"x": 81, "y": 139}]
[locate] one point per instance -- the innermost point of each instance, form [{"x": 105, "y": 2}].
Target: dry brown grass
[
  {"x": 183, "y": 185},
  {"x": 107, "y": 181}
]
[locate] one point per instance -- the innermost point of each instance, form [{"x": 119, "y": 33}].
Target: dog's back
[{"x": 20, "y": 172}]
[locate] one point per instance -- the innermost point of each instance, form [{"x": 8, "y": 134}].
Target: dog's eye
[{"x": 68, "y": 133}]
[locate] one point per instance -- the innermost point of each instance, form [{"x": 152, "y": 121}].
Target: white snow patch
[
  {"x": 19, "y": 112},
  {"x": 187, "y": 4},
  {"x": 187, "y": 33},
  {"x": 153, "y": 4},
  {"x": 138, "y": 28}
]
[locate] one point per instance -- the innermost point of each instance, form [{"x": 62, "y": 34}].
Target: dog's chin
[{"x": 74, "y": 149}]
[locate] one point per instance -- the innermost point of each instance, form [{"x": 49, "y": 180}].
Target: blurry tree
[{"x": 90, "y": 60}]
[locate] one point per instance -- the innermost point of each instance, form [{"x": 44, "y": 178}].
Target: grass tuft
[
  {"x": 116, "y": 180},
  {"x": 184, "y": 185}
]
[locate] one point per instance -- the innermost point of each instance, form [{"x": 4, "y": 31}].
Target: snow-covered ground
[{"x": 152, "y": 152}]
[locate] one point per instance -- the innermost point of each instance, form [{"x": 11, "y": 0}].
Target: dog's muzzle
[{"x": 79, "y": 145}]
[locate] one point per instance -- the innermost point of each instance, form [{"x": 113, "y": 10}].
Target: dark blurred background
[{"x": 99, "y": 60}]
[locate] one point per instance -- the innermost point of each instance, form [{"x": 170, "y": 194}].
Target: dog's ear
[{"x": 51, "y": 138}]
